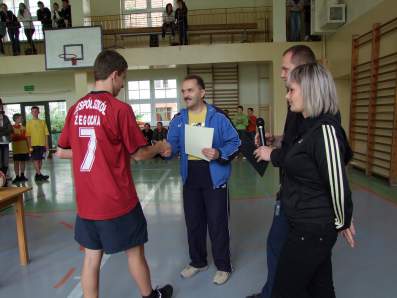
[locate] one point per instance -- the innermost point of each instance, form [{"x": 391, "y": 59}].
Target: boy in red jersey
[{"x": 101, "y": 135}]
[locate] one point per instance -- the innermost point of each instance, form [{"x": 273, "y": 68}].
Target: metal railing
[{"x": 195, "y": 17}]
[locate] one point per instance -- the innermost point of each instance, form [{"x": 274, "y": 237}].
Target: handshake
[{"x": 163, "y": 148}]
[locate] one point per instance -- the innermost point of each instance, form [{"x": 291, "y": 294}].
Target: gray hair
[{"x": 318, "y": 89}]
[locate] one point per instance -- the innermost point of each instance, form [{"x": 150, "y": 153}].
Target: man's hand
[
  {"x": 211, "y": 153},
  {"x": 263, "y": 153},
  {"x": 63, "y": 153},
  {"x": 166, "y": 149},
  {"x": 349, "y": 234},
  {"x": 269, "y": 139}
]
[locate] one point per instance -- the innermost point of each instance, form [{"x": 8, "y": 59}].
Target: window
[
  {"x": 165, "y": 88},
  {"x": 144, "y": 13},
  {"x": 11, "y": 109},
  {"x": 165, "y": 111},
  {"x": 135, "y": 4},
  {"x": 142, "y": 112},
  {"x": 154, "y": 100},
  {"x": 139, "y": 90}
]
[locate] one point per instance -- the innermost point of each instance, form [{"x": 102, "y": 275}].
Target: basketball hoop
[{"x": 69, "y": 57}]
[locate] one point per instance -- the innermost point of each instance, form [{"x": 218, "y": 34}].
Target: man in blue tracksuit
[{"x": 205, "y": 193}]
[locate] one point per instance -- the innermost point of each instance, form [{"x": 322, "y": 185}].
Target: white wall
[
  {"x": 356, "y": 8},
  {"x": 48, "y": 86},
  {"x": 254, "y": 84}
]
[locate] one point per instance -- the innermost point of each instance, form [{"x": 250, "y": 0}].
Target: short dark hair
[
  {"x": 15, "y": 116},
  {"x": 199, "y": 80},
  {"x": 35, "y": 108},
  {"x": 67, "y": 1},
  {"x": 301, "y": 54},
  {"x": 250, "y": 109},
  {"x": 107, "y": 62},
  {"x": 160, "y": 123},
  {"x": 240, "y": 107},
  {"x": 38, "y": 3}
]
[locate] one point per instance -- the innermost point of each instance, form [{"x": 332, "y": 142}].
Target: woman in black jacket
[
  {"x": 316, "y": 196},
  {"x": 13, "y": 25}
]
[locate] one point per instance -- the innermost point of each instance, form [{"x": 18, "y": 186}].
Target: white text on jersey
[{"x": 90, "y": 104}]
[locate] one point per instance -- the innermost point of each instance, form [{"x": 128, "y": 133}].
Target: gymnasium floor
[{"x": 368, "y": 271}]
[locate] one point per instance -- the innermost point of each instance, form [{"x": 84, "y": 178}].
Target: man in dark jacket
[
  {"x": 5, "y": 136},
  {"x": 66, "y": 13},
  {"x": 159, "y": 133},
  {"x": 44, "y": 16},
  {"x": 181, "y": 20}
]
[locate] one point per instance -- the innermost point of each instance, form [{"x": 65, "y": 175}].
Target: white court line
[{"x": 77, "y": 291}]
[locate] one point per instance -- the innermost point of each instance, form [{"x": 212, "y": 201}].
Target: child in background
[{"x": 20, "y": 149}]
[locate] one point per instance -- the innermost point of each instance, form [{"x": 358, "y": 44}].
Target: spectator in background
[
  {"x": 160, "y": 133},
  {"x": 251, "y": 128},
  {"x": 240, "y": 121},
  {"x": 37, "y": 134},
  {"x": 57, "y": 19},
  {"x": 148, "y": 133},
  {"x": 66, "y": 13},
  {"x": 226, "y": 111},
  {"x": 295, "y": 9},
  {"x": 20, "y": 149},
  {"x": 25, "y": 17},
  {"x": 181, "y": 19},
  {"x": 168, "y": 20},
  {"x": 13, "y": 26},
  {"x": 44, "y": 16},
  {"x": 5, "y": 135},
  {"x": 2, "y": 34}
]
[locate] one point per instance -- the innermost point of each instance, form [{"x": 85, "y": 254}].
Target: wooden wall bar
[{"x": 373, "y": 113}]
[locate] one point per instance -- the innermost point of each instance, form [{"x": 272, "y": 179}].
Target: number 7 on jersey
[{"x": 88, "y": 132}]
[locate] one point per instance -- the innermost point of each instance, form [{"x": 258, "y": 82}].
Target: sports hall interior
[{"x": 237, "y": 47}]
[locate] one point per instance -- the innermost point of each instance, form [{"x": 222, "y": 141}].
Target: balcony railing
[{"x": 247, "y": 24}]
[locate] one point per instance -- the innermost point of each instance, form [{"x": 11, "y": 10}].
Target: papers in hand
[{"x": 196, "y": 139}]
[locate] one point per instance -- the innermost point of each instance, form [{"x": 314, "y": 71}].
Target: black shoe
[
  {"x": 23, "y": 178},
  {"x": 16, "y": 180},
  {"x": 165, "y": 292},
  {"x": 254, "y": 296},
  {"x": 44, "y": 177},
  {"x": 37, "y": 177}
]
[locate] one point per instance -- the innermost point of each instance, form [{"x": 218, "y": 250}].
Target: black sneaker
[
  {"x": 254, "y": 296},
  {"x": 165, "y": 292},
  {"x": 44, "y": 177},
  {"x": 37, "y": 177},
  {"x": 16, "y": 180},
  {"x": 23, "y": 178}
]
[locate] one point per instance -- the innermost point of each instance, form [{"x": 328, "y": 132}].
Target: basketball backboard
[{"x": 72, "y": 48}]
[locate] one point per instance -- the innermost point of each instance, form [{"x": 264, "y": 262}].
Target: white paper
[{"x": 196, "y": 139}]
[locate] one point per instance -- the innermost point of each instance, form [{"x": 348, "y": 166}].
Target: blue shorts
[
  {"x": 113, "y": 235},
  {"x": 38, "y": 152}
]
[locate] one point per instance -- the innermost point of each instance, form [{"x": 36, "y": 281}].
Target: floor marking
[
  {"x": 374, "y": 193},
  {"x": 66, "y": 225},
  {"x": 65, "y": 278},
  {"x": 77, "y": 291}
]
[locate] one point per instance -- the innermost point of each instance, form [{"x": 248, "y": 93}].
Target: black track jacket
[{"x": 315, "y": 186}]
